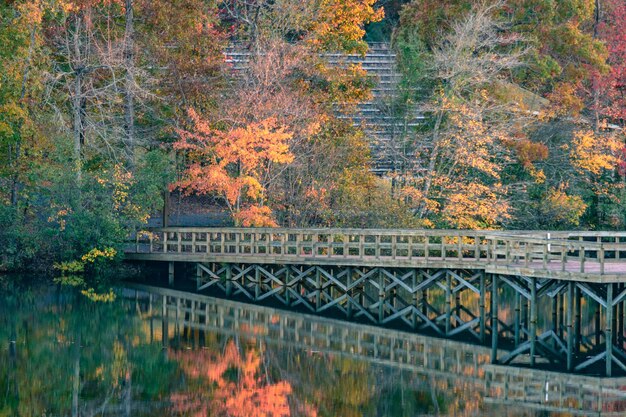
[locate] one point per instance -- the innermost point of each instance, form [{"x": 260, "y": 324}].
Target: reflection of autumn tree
[
  {"x": 336, "y": 386},
  {"x": 232, "y": 384}
]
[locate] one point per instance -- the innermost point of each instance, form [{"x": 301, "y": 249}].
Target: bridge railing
[
  {"x": 318, "y": 243},
  {"x": 571, "y": 252},
  {"x": 576, "y": 252}
]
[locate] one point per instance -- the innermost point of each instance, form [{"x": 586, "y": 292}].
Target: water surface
[{"x": 159, "y": 352}]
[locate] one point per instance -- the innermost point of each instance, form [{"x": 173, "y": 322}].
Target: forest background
[{"x": 108, "y": 106}]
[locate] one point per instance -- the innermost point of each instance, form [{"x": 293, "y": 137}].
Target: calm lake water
[{"x": 159, "y": 352}]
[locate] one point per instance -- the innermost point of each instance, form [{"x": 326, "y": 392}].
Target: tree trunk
[
  {"x": 76, "y": 378},
  {"x": 78, "y": 103},
  {"x": 129, "y": 62},
  {"x": 166, "y": 208}
]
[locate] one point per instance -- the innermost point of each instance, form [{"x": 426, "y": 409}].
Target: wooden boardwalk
[
  {"x": 580, "y": 256},
  {"x": 445, "y": 282}
]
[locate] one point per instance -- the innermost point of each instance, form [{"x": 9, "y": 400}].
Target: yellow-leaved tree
[{"x": 234, "y": 164}]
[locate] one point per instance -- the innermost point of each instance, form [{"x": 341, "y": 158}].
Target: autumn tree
[
  {"x": 234, "y": 164},
  {"x": 20, "y": 85},
  {"x": 455, "y": 176}
]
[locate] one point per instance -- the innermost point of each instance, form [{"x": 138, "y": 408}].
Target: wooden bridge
[
  {"x": 484, "y": 286},
  {"x": 187, "y": 319}
]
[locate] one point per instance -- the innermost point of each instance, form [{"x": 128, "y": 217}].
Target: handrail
[{"x": 565, "y": 252}]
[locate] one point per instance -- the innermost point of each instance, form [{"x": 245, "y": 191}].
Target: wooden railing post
[
  {"x": 361, "y": 245},
  {"x": 526, "y": 254},
  {"x": 601, "y": 258},
  {"x": 477, "y": 247},
  {"x": 377, "y": 247},
  {"x": 581, "y": 255}
]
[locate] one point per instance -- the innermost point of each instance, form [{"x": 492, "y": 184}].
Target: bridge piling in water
[{"x": 472, "y": 285}]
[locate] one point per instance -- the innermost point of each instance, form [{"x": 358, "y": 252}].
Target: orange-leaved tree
[{"x": 235, "y": 165}]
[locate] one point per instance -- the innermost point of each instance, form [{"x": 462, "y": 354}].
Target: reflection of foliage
[
  {"x": 239, "y": 390},
  {"x": 106, "y": 297},
  {"x": 70, "y": 271},
  {"x": 41, "y": 375}
]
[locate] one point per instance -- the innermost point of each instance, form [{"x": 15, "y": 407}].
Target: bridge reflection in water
[{"x": 445, "y": 364}]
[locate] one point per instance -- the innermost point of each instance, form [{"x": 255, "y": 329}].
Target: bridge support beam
[
  {"x": 494, "y": 318},
  {"x": 400, "y": 297},
  {"x": 170, "y": 273},
  {"x": 533, "y": 320},
  {"x": 483, "y": 318},
  {"x": 570, "y": 325},
  {"x": 608, "y": 337}
]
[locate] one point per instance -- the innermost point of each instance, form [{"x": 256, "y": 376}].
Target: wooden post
[
  {"x": 318, "y": 289},
  {"x": 448, "y": 302},
  {"x": 555, "y": 301},
  {"x": 608, "y": 337},
  {"x": 570, "y": 326},
  {"x": 229, "y": 278},
  {"x": 620, "y": 325},
  {"x": 494, "y": 318},
  {"x": 286, "y": 285},
  {"x": 524, "y": 320},
  {"x": 581, "y": 254},
  {"x": 170, "y": 273},
  {"x": 561, "y": 315},
  {"x": 164, "y": 322},
  {"x": 415, "y": 298},
  {"x": 483, "y": 289},
  {"x": 601, "y": 258},
  {"x": 577, "y": 323},
  {"x": 257, "y": 282},
  {"x": 457, "y": 308},
  {"x": 381, "y": 296},
  {"x": 533, "y": 320},
  {"x": 517, "y": 318},
  {"x": 597, "y": 324}
]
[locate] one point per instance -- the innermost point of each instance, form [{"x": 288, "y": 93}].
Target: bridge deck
[{"x": 580, "y": 256}]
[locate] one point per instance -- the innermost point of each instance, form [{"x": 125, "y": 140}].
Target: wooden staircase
[{"x": 387, "y": 124}]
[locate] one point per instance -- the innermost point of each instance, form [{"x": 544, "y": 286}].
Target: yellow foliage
[
  {"x": 562, "y": 208},
  {"x": 107, "y": 297},
  {"x": 95, "y": 253},
  {"x": 592, "y": 153},
  {"x": 340, "y": 24},
  {"x": 475, "y": 206}
]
